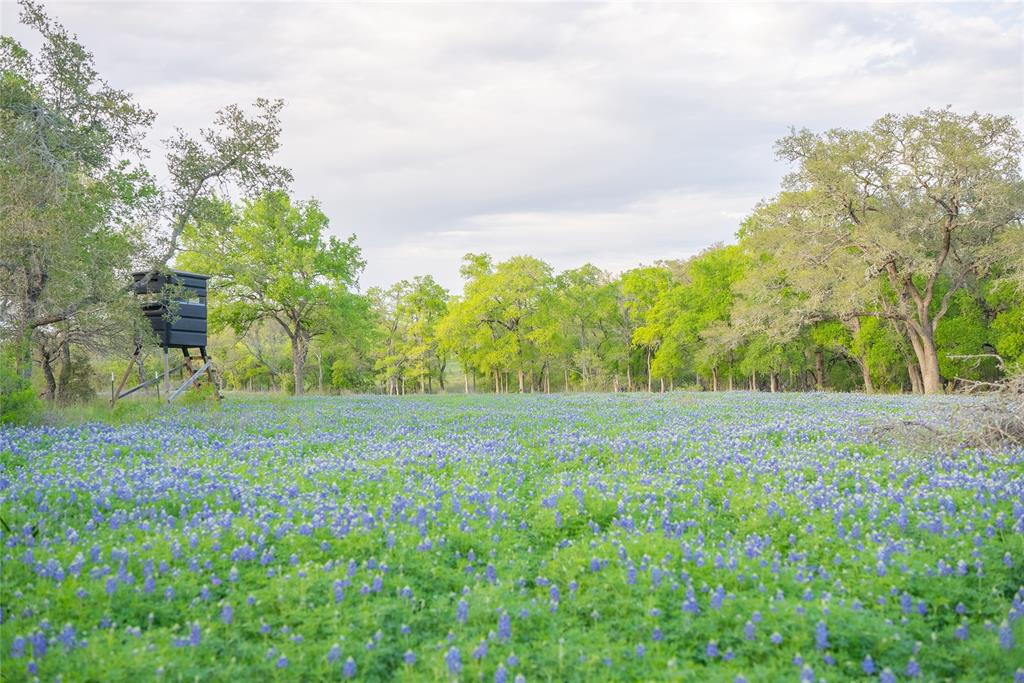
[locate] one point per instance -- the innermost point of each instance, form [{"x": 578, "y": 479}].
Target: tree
[
  {"x": 273, "y": 261},
  {"x": 702, "y": 295},
  {"x": 498, "y": 311},
  {"x": 913, "y": 203},
  {"x": 642, "y": 288},
  {"x": 235, "y": 151},
  {"x": 74, "y": 205}
]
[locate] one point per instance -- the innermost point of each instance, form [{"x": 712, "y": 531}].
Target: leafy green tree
[
  {"x": 702, "y": 296},
  {"x": 236, "y": 151},
  {"x": 1007, "y": 329},
  {"x": 274, "y": 261},
  {"x": 73, "y": 213},
  {"x": 643, "y": 287},
  {"x": 499, "y": 310},
  {"x": 910, "y": 201}
]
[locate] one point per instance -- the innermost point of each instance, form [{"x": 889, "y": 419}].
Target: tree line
[{"x": 890, "y": 259}]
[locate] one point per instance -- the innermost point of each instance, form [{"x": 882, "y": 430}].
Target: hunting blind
[{"x": 174, "y": 303}]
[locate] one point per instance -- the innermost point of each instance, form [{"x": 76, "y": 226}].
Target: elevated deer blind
[{"x": 174, "y": 304}]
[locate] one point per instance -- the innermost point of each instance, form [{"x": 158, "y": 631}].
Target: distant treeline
[{"x": 891, "y": 259}]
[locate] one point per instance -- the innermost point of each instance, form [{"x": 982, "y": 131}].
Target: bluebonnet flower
[
  {"x": 821, "y": 636},
  {"x": 453, "y": 660},
  {"x": 887, "y": 676},
  {"x": 1005, "y": 635},
  {"x": 712, "y": 649},
  {"x": 409, "y": 657},
  {"x": 504, "y": 626},
  {"x": 717, "y": 597},
  {"x": 227, "y": 613},
  {"x": 67, "y": 637},
  {"x": 39, "y": 647},
  {"x": 348, "y": 670},
  {"x": 868, "y": 665},
  {"x": 913, "y": 669},
  {"x": 334, "y": 654}
]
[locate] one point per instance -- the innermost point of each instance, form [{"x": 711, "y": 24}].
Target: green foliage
[
  {"x": 964, "y": 331},
  {"x": 1007, "y": 331},
  {"x": 273, "y": 261},
  {"x": 632, "y": 507},
  {"x": 18, "y": 401}
]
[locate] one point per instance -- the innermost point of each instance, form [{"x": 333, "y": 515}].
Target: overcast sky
[{"x": 616, "y": 134}]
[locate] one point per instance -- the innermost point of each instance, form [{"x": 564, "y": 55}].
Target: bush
[
  {"x": 18, "y": 401},
  {"x": 79, "y": 384},
  {"x": 205, "y": 395}
]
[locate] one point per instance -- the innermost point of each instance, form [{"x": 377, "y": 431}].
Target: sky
[{"x": 617, "y": 134}]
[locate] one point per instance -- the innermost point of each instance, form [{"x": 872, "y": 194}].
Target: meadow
[{"x": 709, "y": 537}]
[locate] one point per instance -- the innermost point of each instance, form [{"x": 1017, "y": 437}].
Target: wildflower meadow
[{"x": 680, "y": 536}]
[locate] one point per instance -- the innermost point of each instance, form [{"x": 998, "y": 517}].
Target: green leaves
[{"x": 272, "y": 261}]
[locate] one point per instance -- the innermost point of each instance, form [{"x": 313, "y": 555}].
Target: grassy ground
[{"x": 600, "y": 537}]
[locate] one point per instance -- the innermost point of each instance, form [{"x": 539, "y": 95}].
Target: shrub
[{"x": 18, "y": 401}]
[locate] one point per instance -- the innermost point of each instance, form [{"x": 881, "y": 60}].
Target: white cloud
[{"x": 614, "y": 133}]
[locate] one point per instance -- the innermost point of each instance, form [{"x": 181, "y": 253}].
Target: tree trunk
[
  {"x": 730, "y": 378},
  {"x": 300, "y": 347},
  {"x": 714, "y": 379},
  {"x": 819, "y": 370},
  {"x": 931, "y": 378},
  {"x": 915, "y": 379},
  {"x": 774, "y": 381},
  {"x": 64, "y": 377},
  {"x": 465, "y": 382},
  {"x": 51, "y": 382},
  {"x": 649, "y": 370},
  {"x": 753, "y": 381},
  {"x": 629, "y": 377},
  {"x": 497, "y": 382},
  {"x": 521, "y": 390},
  {"x": 662, "y": 380},
  {"x": 565, "y": 370},
  {"x": 865, "y": 373}
]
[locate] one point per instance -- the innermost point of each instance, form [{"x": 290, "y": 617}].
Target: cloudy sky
[{"x": 611, "y": 133}]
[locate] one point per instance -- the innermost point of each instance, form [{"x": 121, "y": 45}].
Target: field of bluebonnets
[{"x": 703, "y": 537}]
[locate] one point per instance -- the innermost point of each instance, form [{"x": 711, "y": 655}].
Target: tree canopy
[{"x": 891, "y": 258}]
